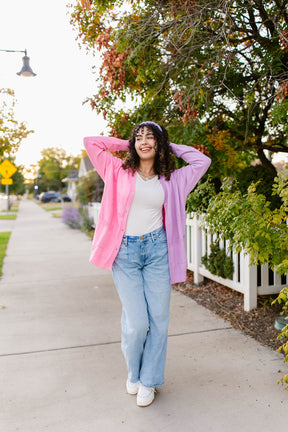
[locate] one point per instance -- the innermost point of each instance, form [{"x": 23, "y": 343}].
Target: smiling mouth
[{"x": 146, "y": 149}]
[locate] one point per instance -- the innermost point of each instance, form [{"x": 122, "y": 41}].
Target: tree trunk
[{"x": 265, "y": 161}]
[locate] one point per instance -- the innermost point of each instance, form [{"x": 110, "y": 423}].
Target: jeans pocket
[
  {"x": 162, "y": 238},
  {"x": 123, "y": 251}
]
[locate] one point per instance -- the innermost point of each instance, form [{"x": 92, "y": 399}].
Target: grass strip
[
  {"x": 14, "y": 208},
  {"x": 53, "y": 208},
  {"x": 50, "y": 206},
  {"x": 4, "y": 239},
  {"x": 57, "y": 214},
  {"x": 8, "y": 217},
  {"x": 57, "y": 206}
]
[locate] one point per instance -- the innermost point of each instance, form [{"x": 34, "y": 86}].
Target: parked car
[
  {"x": 46, "y": 197},
  {"x": 64, "y": 198}
]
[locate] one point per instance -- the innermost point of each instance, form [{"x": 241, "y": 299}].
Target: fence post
[
  {"x": 250, "y": 284},
  {"x": 197, "y": 250}
]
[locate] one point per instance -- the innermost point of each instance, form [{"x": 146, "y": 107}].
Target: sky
[{"x": 52, "y": 102}]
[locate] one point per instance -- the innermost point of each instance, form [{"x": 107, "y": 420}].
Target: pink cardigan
[{"x": 118, "y": 195}]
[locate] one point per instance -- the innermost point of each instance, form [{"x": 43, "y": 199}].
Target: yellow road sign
[
  {"x": 6, "y": 181},
  {"x": 7, "y": 169}
]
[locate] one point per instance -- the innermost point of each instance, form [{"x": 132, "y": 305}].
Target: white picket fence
[
  {"x": 248, "y": 280},
  {"x": 93, "y": 212},
  {"x": 251, "y": 281}
]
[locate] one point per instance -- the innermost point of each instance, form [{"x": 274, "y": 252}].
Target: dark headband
[{"x": 151, "y": 123}]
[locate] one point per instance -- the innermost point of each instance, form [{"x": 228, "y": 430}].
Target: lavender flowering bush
[{"x": 71, "y": 217}]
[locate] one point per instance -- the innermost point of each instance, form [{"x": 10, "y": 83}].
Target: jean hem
[
  {"x": 153, "y": 385},
  {"x": 134, "y": 382}
]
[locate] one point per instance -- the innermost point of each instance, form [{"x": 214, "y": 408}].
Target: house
[
  {"x": 73, "y": 178},
  {"x": 71, "y": 181},
  {"x": 85, "y": 166}
]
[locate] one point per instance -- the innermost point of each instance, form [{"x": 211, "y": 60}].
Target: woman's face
[{"x": 145, "y": 144}]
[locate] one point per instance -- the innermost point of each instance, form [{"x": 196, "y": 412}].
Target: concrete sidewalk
[{"x": 61, "y": 366}]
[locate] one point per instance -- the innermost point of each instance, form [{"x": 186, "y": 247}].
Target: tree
[
  {"x": 54, "y": 166},
  {"x": 219, "y": 67},
  {"x": 18, "y": 186},
  {"x": 11, "y": 131}
]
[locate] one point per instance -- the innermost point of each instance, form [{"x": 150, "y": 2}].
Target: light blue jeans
[{"x": 141, "y": 275}]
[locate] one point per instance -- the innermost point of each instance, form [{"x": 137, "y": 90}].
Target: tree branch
[{"x": 268, "y": 23}]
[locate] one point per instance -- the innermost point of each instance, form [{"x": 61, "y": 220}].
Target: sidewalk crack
[{"x": 105, "y": 343}]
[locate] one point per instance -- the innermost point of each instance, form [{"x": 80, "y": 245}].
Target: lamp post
[
  {"x": 26, "y": 71},
  {"x": 26, "y": 68}
]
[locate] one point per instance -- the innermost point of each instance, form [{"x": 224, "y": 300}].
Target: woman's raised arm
[
  {"x": 98, "y": 149},
  {"x": 198, "y": 164}
]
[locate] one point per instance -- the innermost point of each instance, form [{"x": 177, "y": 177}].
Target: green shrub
[
  {"x": 4, "y": 239},
  {"x": 199, "y": 199},
  {"x": 217, "y": 262},
  {"x": 86, "y": 225},
  {"x": 249, "y": 224},
  {"x": 283, "y": 298},
  {"x": 264, "y": 178},
  {"x": 90, "y": 188}
]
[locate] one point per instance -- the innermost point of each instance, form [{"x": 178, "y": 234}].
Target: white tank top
[{"x": 145, "y": 213}]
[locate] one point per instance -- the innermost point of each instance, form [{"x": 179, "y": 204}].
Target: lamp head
[{"x": 26, "y": 69}]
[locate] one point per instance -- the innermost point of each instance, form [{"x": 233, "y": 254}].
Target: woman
[{"x": 140, "y": 235}]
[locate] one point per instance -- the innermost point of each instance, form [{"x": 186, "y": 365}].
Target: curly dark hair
[{"x": 164, "y": 163}]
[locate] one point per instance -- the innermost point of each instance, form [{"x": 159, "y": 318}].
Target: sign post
[{"x": 7, "y": 169}]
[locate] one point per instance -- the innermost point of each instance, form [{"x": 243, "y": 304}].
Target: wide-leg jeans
[{"x": 141, "y": 275}]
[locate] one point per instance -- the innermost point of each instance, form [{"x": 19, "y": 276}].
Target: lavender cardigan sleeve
[
  {"x": 198, "y": 164},
  {"x": 176, "y": 190}
]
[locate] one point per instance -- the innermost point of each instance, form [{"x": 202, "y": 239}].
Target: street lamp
[
  {"x": 26, "y": 69},
  {"x": 27, "y": 72}
]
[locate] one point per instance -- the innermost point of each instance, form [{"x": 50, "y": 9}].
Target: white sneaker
[
  {"x": 145, "y": 395},
  {"x": 132, "y": 388}
]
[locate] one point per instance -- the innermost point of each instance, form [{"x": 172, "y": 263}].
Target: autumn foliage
[
  {"x": 215, "y": 74},
  {"x": 12, "y": 132}
]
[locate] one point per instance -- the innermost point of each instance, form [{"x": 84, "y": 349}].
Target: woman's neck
[{"x": 146, "y": 167}]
